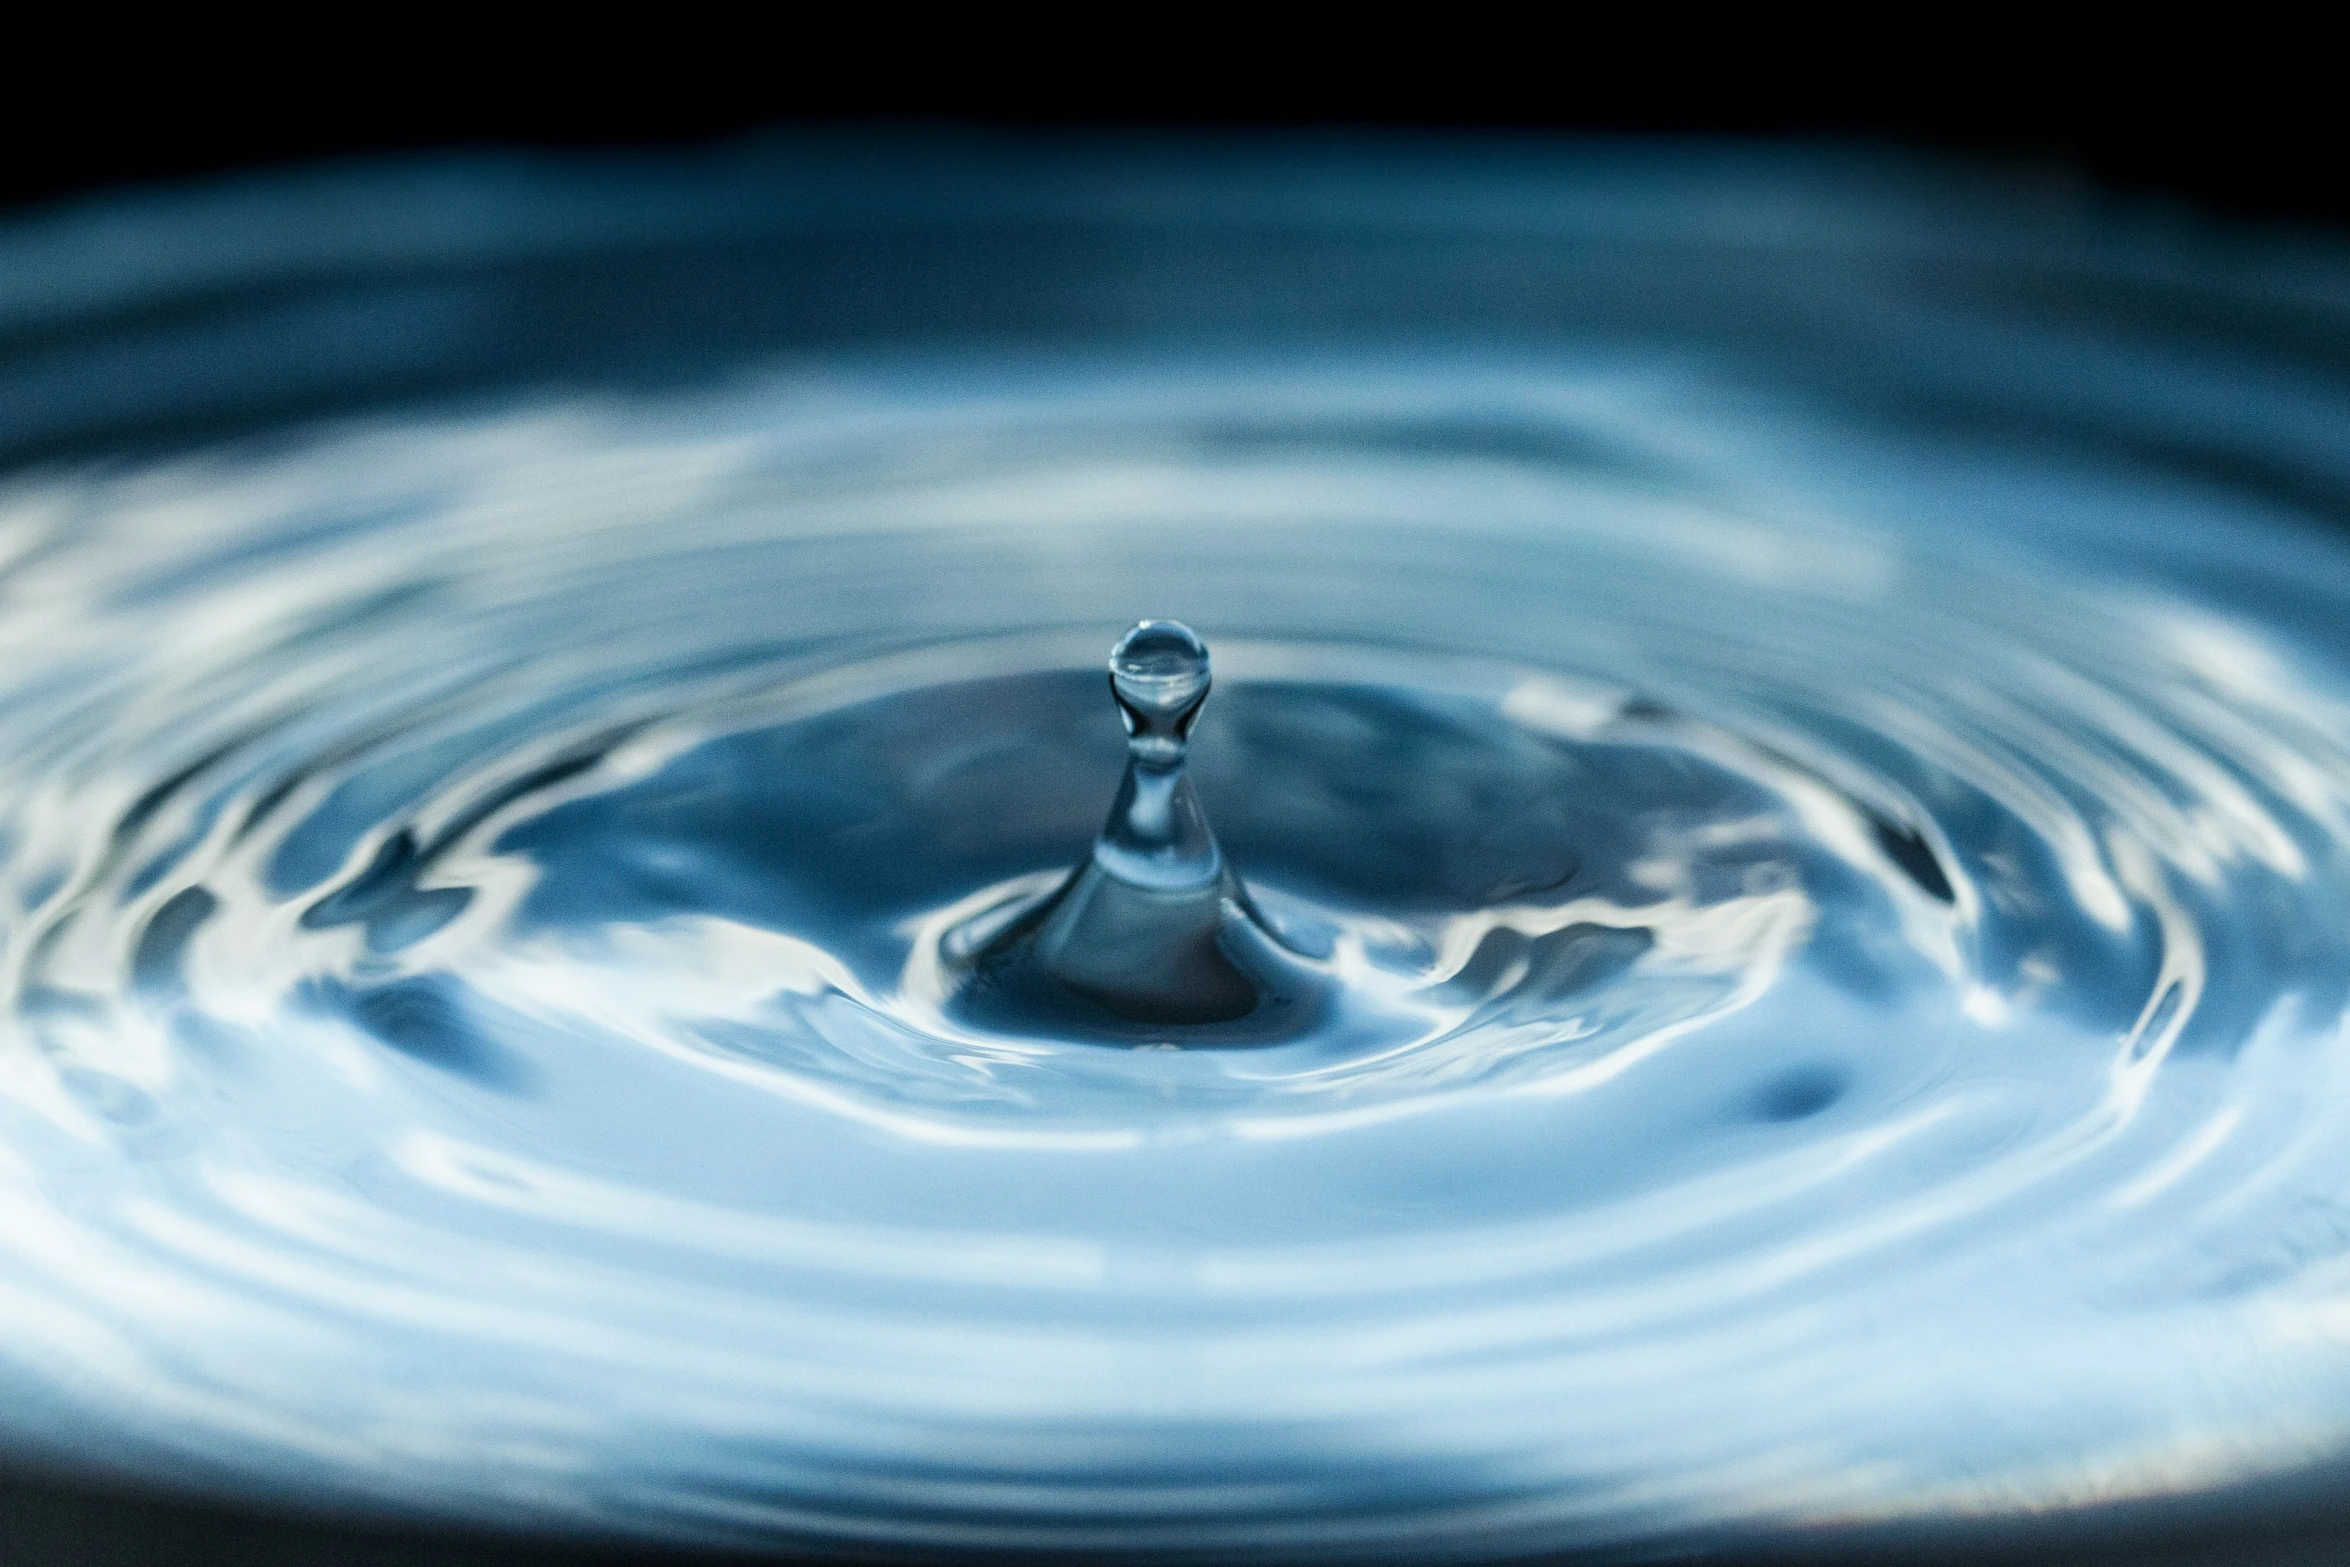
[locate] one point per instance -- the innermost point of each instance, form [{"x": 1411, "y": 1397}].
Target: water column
[{"x": 1154, "y": 938}]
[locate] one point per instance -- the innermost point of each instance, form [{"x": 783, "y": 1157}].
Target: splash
[{"x": 1153, "y": 938}]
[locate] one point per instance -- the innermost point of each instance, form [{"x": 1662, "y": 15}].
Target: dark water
[{"x": 1817, "y": 784}]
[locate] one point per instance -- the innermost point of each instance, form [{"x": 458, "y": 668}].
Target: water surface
[{"x": 1835, "y": 911}]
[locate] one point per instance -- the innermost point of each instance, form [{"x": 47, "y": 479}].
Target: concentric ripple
[{"x": 1843, "y": 1013}]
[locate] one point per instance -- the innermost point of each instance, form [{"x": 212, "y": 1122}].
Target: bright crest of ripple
[{"x": 1840, "y": 1014}]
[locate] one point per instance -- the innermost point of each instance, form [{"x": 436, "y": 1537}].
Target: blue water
[{"x": 1830, "y": 919}]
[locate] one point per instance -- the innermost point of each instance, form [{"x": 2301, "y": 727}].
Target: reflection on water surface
[{"x": 1815, "y": 763}]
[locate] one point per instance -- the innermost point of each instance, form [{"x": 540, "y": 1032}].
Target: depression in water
[{"x": 1716, "y": 964}]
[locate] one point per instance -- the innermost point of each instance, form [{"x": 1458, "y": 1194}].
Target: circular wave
[{"x": 1851, "y": 1013}]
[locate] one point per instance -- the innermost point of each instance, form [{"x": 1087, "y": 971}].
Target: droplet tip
[{"x": 1160, "y": 663}]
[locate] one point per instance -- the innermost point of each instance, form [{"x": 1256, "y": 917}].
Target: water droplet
[
  {"x": 1156, "y": 835},
  {"x": 1154, "y": 930},
  {"x": 1159, "y": 674}
]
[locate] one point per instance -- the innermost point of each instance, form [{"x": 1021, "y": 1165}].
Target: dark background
[{"x": 2230, "y": 112}]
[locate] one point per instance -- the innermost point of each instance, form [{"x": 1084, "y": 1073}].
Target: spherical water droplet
[{"x": 1159, "y": 674}]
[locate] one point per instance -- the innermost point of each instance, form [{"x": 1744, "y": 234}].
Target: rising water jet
[{"x": 1153, "y": 938}]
